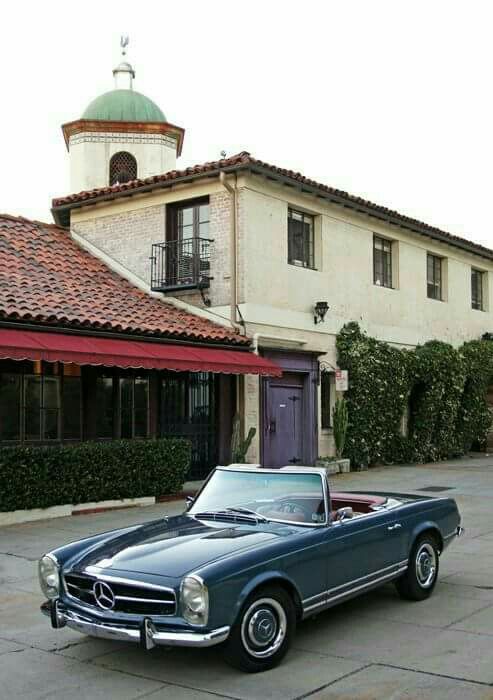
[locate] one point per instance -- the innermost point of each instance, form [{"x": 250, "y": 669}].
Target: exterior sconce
[{"x": 320, "y": 309}]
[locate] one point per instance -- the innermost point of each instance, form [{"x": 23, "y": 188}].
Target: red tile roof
[
  {"x": 244, "y": 161},
  {"x": 46, "y": 278}
]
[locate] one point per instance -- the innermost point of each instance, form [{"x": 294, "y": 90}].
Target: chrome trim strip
[
  {"x": 145, "y": 600},
  {"x": 128, "y": 634},
  {"x": 369, "y": 584},
  {"x": 397, "y": 566},
  {"x": 451, "y": 534},
  {"x": 94, "y": 571}
]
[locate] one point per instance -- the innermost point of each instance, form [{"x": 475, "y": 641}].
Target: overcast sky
[{"x": 387, "y": 100}]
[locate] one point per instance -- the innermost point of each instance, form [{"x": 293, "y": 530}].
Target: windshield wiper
[{"x": 246, "y": 512}]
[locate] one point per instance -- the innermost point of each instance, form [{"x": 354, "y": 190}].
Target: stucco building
[{"x": 265, "y": 251}]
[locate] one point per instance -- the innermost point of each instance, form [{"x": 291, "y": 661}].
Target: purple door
[{"x": 284, "y": 426}]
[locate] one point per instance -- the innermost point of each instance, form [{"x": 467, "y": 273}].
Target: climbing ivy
[{"x": 413, "y": 405}]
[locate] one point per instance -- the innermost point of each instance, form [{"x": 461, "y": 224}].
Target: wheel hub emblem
[{"x": 104, "y": 596}]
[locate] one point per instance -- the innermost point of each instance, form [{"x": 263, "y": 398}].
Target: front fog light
[
  {"x": 49, "y": 576},
  {"x": 194, "y": 600}
]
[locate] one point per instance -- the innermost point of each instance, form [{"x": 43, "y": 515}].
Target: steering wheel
[{"x": 293, "y": 508}]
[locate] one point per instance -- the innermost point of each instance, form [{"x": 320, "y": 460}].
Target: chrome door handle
[{"x": 397, "y": 526}]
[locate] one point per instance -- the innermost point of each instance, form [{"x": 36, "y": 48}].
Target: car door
[{"x": 363, "y": 550}]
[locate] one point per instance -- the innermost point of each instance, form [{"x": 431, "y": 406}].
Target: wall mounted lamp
[{"x": 319, "y": 311}]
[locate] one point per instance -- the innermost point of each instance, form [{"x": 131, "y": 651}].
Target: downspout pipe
[{"x": 233, "y": 249}]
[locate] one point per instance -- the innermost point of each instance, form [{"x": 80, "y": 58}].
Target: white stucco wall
[
  {"x": 276, "y": 299},
  {"x": 90, "y": 155}
]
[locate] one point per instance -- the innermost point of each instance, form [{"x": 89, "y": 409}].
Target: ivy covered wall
[{"x": 415, "y": 405}]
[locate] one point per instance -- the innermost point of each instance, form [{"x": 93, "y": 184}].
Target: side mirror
[
  {"x": 190, "y": 500},
  {"x": 344, "y": 513}
]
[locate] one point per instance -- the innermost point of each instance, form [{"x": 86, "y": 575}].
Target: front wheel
[
  {"x": 263, "y": 631},
  {"x": 421, "y": 576}
]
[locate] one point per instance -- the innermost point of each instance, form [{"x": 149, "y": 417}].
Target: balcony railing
[{"x": 181, "y": 264}]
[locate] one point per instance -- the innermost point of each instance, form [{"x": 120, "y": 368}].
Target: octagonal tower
[{"x": 122, "y": 135}]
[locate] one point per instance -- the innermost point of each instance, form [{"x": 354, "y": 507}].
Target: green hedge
[
  {"x": 437, "y": 390},
  {"x": 38, "y": 477}
]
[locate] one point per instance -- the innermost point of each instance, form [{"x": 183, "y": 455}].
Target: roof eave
[{"x": 61, "y": 213}]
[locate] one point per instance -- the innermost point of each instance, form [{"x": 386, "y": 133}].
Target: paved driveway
[{"x": 376, "y": 646}]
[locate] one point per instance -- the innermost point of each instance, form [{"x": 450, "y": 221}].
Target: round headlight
[
  {"x": 49, "y": 576},
  {"x": 194, "y": 600}
]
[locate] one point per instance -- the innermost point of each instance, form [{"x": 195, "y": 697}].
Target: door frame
[{"x": 306, "y": 365}]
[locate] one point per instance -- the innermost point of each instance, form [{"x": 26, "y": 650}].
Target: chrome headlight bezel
[
  {"x": 194, "y": 599},
  {"x": 49, "y": 576}
]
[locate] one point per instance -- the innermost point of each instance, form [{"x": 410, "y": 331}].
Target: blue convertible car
[{"x": 257, "y": 551}]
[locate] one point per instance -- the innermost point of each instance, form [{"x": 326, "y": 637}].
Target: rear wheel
[
  {"x": 421, "y": 576},
  {"x": 263, "y": 631}
]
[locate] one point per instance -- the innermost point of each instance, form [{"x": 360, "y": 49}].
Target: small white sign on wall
[{"x": 341, "y": 380}]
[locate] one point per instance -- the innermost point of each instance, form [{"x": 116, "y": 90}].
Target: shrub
[
  {"x": 443, "y": 389},
  {"x": 39, "y": 477}
]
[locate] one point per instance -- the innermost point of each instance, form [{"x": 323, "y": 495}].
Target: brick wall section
[
  {"x": 219, "y": 228},
  {"x": 127, "y": 237}
]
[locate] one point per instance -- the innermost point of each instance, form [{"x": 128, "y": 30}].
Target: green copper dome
[{"x": 124, "y": 106}]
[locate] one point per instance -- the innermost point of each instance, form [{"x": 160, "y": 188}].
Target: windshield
[{"x": 285, "y": 497}]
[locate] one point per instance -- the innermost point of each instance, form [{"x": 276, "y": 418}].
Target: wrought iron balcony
[{"x": 181, "y": 264}]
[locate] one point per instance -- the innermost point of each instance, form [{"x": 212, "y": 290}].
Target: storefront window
[
  {"x": 105, "y": 406},
  {"x": 36, "y": 399},
  {"x": 10, "y": 406},
  {"x": 134, "y": 407}
]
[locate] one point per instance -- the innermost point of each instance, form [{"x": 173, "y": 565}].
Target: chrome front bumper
[{"x": 146, "y": 635}]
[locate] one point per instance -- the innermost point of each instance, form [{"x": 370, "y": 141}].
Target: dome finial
[
  {"x": 124, "y": 73},
  {"x": 124, "y": 41}
]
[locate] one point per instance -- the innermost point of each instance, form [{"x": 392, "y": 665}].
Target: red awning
[{"x": 92, "y": 350}]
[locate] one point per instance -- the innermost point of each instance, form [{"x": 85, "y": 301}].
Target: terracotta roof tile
[
  {"x": 46, "y": 278},
  {"x": 245, "y": 161}
]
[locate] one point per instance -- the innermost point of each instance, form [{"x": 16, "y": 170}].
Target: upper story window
[
  {"x": 382, "y": 262},
  {"x": 477, "y": 284},
  {"x": 183, "y": 260},
  {"x": 300, "y": 239},
  {"x": 123, "y": 168},
  {"x": 188, "y": 220},
  {"x": 434, "y": 277}
]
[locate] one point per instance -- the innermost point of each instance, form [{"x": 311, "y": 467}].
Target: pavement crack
[
  {"x": 336, "y": 680},
  {"x": 18, "y": 556},
  {"x": 433, "y": 673},
  {"x": 465, "y": 617}
]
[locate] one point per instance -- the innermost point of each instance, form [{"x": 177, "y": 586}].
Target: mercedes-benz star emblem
[{"x": 105, "y": 597}]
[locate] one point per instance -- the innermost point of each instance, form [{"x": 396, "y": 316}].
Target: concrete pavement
[{"x": 374, "y": 647}]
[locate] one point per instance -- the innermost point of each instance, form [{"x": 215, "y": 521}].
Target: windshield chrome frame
[{"x": 266, "y": 470}]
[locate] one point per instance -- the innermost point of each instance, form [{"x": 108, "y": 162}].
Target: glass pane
[
  {"x": 50, "y": 424},
  {"x": 141, "y": 393},
  {"x": 204, "y": 229},
  {"x": 126, "y": 423},
  {"x": 32, "y": 392},
  {"x": 265, "y": 492},
  {"x": 71, "y": 403},
  {"x": 104, "y": 404},
  {"x": 140, "y": 423},
  {"x": 32, "y": 424},
  {"x": 10, "y": 406},
  {"x": 51, "y": 394},
  {"x": 126, "y": 392},
  {"x": 173, "y": 401},
  {"x": 186, "y": 232},
  {"x": 185, "y": 217},
  {"x": 204, "y": 213}
]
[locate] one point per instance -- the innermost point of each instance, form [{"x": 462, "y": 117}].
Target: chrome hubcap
[
  {"x": 426, "y": 565},
  {"x": 263, "y": 628}
]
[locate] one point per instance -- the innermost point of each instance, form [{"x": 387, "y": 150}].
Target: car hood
[{"x": 175, "y": 546}]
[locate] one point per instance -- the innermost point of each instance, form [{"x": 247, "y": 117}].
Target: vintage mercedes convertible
[{"x": 257, "y": 551}]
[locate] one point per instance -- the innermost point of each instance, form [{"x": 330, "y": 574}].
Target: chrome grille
[{"x": 132, "y": 598}]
